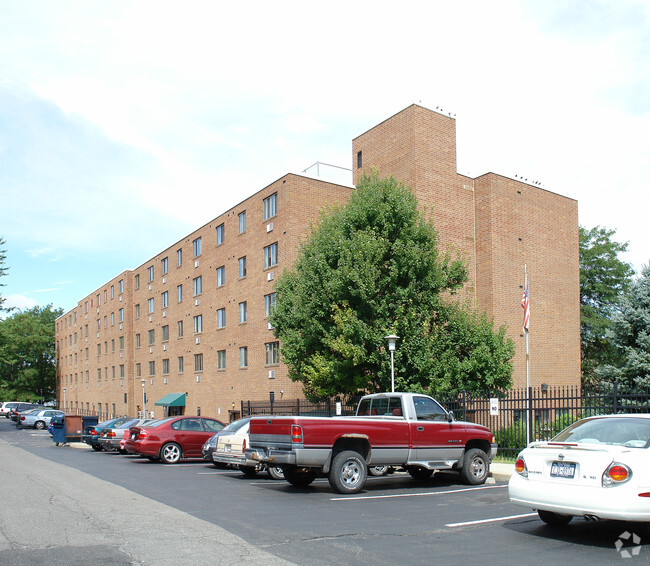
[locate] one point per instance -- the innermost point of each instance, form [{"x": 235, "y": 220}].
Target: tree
[
  {"x": 373, "y": 268},
  {"x": 630, "y": 336},
  {"x": 3, "y": 270},
  {"x": 27, "y": 369},
  {"x": 604, "y": 279}
]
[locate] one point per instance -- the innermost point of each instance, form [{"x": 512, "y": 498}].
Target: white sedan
[{"x": 597, "y": 468}]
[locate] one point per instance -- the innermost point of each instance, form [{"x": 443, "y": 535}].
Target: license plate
[{"x": 563, "y": 469}]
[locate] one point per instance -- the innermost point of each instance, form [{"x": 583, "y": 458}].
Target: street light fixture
[
  {"x": 392, "y": 339},
  {"x": 144, "y": 401}
]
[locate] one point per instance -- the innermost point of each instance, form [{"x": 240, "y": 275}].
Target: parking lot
[{"x": 395, "y": 519}]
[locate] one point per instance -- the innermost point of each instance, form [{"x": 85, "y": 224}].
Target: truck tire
[
  {"x": 299, "y": 477},
  {"x": 419, "y": 473},
  {"x": 348, "y": 472},
  {"x": 476, "y": 467},
  {"x": 275, "y": 472}
]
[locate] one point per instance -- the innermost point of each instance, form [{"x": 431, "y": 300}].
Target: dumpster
[{"x": 69, "y": 428}]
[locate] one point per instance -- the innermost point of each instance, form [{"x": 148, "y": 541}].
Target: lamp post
[
  {"x": 144, "y": 401},
  {"x": 392, "y": 338},
  {"x": 64, "y": 398}
]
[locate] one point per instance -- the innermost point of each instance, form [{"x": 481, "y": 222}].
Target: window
[
  {"x": 120, "y": 285},
  {"x": 180, "y": 364},
  {"x": 179, "y": 293},
  {"x": 242, "y": 222},
  {"x": 105, "y": 296},
  {"x": 150, "y": 305},
  {"x": 272, "y": 353},
  {"x": 271, "y": 255},
  {"x": 179, "y": 257},
  {"x": 165, "y": 333},
  {"x": 105, "y": 322},
  {"x": 99, "y": 374},
  {"x": 98, "y": 300},
  {"x": 137, "y": 281},
  {"x": 113, "y": 372},
  {"x": 243, "y": 312},
  {"x": 152, "y": 336},
  {"x": 99, "y": 349},
  {"x": 270, "y": 206},
  {"x": 242, "y": 267},
  {"x": 221, "y": 318},
  {"x": 198, "y": 285},
  {"x": 165, "y": 299},
  {"x": 138, "y": 370},
  {"x": 112, "y": 291},
  {"x": 150, "y": 274},
  {"x": 196, "y": 247},
  {"x": 137, "y": 340},
  {"x": 165, "y": 367},
  {"x": 164, "y": 265},
  {"x": 243, "y": 357},
  {"x": 137, "y": 311},
  {"x": 221, "y": 232},
  {"x": 221, "y": 359},
  {"x": 121, "y": 315},
  {"x": 112, "y": 319},
  {"x": 86, "y": 307},
  {"x": 180, "y": 328},
  {"x": 121, "y": 342},
  {"x": 269, "y": 304},
  {"x": 198, "y": 362},
  {"x": 152, "y": 368},
  {"x": 221, "y": 276},
  {"x": 359, "y": 159},
  {"x": 99, "y": 324},
  {"x": 113, "y": 345},
  {"x": 198, "y": 324}
]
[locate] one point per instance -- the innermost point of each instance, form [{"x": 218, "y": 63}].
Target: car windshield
[
  {"x": 624, "y": 431},
  {"x": 235, "y": 425},
  {"x": 158, "y": 423}
]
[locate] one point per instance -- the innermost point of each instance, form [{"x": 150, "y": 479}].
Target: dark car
[
  {"x": 21, "y": 407},
  {"x": 91, "y": 433},
  {"x": 173, "y": 438}
]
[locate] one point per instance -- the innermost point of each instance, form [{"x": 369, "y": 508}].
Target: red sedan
[{"x": 173, "y": 438}]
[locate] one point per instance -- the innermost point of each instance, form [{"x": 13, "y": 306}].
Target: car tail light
[
  {"x": 243, "y": 446},
  {"x": 110, "y": 434},
  {"x": 616, "y": 474},
  {"x": 22, "y": 418},
  {"x": 296, "y": 433},
  {"x": 520, "y": 467},
  {"x": 93, "y": 432},
  {"x": 141, "y": 435}
]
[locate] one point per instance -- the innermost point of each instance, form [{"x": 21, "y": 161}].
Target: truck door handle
[{"x": 420, "y": 428}]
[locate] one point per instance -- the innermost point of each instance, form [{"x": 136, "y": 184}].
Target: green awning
[{"x": 172, "y": 400}]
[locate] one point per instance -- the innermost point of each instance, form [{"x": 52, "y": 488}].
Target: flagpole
[{"x": 526, "y": 316}]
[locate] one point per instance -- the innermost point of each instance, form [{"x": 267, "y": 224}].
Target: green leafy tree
[
  {"x": 3, "y": 270},
  {"x": 373, "y": 268},
  {"x": 604, "y": 279},
  {"x": 630, "y": 335},
  {"x": 27, "y": 369}
]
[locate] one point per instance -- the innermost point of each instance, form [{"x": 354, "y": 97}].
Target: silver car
[
  {"x": 38, "y": 418},
  {"x": 109, "y": 438}
]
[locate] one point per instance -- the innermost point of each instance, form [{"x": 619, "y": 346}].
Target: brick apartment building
[{"x": 188, "y": 328}]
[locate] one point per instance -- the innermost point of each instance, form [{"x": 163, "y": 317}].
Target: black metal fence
[{"x": 548, "y": 410}]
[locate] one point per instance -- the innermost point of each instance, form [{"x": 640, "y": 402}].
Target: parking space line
[
  {"x": 495, "y": 520},
  {"x": 425, "y": 493}
]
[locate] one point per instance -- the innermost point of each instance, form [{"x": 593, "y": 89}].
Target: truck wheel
[
  {"x": 299, "y": 477},
  {"x": 476, "y": 467},
  {"x": 348, "y": 472},
  {"x": 248, "y": 471},
  {"x": 418, "y": 473},
  {"x": 378, "y": 470},
  {"x": 275, "y": 472}
]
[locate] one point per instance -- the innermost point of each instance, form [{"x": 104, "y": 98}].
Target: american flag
[{"x": 525, "y": 304}]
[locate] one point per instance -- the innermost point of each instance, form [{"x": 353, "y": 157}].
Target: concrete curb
[{"x": 500, "y": 471}]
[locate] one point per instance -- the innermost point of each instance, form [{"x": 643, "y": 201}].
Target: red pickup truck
[{"x": 405, "y": 430}]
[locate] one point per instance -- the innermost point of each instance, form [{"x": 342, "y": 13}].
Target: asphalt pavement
[{"x": 55, "y": 515}]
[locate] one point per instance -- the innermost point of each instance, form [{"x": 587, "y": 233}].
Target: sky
[{"x": 112, "y": 113}]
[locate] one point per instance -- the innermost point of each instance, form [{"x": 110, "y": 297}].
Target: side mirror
[{"x": 450, "y": 416}]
